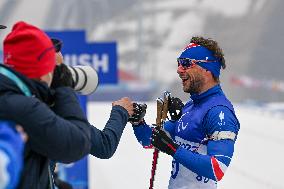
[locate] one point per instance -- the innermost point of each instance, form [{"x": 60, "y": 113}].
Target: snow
[{"x": 257, "y": 163}]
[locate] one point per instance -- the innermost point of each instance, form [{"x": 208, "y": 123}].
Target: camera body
[{"x": 85, "y": 79}]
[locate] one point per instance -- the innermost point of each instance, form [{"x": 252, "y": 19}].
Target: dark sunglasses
[
  {"x": 188, "y": 62},
  {"x": 2, "y": 27},
  {"x": 57, "y": 44}
]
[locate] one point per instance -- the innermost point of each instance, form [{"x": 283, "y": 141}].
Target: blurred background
[{"x": 149, "y": 35}]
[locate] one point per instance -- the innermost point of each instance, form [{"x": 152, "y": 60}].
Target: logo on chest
[
  {"x": 189, "y": 127},
  {"x": 183, "y": 123}
]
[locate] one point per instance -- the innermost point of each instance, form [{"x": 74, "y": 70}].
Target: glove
[
  {"x": 62, "y": 77},
  {"x": 139, "y": 113},
  {"x": 163, "y": 142},
  {"x": 175, "y": 107}
]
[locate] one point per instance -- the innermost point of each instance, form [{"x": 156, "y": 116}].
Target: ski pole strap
[{"x": 23, "y": 87}]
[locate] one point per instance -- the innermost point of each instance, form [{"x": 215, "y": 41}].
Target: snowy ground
[{"x": 258, "y": 160}]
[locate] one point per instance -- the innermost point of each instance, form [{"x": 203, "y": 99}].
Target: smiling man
[{"x": 201, "y": 137}]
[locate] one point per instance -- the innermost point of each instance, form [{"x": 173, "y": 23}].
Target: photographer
[{"x": 53, "y": 119}]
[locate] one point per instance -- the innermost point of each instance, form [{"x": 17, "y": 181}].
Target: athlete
[{"x": 201, "y": 136}]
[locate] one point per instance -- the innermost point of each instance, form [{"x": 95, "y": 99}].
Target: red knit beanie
[{"x": 28, "y": 50}]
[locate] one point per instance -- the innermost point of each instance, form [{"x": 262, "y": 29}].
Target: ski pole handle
[{"x": 162, "y": 110}]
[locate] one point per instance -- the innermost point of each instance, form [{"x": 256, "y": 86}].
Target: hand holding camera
[
  {"x": 83, "y": 79},
  {"x": 62, "y": 77}
]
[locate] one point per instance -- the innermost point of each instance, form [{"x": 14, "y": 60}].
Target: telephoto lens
[{"x": 85, "y": 79}]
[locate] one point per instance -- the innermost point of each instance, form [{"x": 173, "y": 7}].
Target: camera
[{"x": 85, "y": 79}]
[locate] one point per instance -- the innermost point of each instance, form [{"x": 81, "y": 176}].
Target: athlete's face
[{"x": 192, "y": 78}]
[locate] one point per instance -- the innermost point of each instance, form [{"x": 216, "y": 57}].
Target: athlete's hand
[
  {"x": 175, "y": 107},
  {"x": 162, "y": 141},
  {"x": 126, "y": 103},
  {"x": 138, "y": 115}
]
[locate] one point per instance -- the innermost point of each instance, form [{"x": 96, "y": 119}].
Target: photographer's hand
[
  {"x": 62, "y": 77},
  {"x": 126, "y": 103}
]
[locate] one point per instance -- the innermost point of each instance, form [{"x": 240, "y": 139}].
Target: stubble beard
[{"x": 195, "y": 83}]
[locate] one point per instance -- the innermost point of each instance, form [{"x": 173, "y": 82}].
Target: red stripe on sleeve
[{"x": 216, "y": 168}]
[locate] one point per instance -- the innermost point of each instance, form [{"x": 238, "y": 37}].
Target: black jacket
[
  {"x": 57, "y": 128},
  {"x": 61, "y": 133}
]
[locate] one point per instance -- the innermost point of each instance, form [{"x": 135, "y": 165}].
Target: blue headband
[{"x": 197, "y": 52}]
